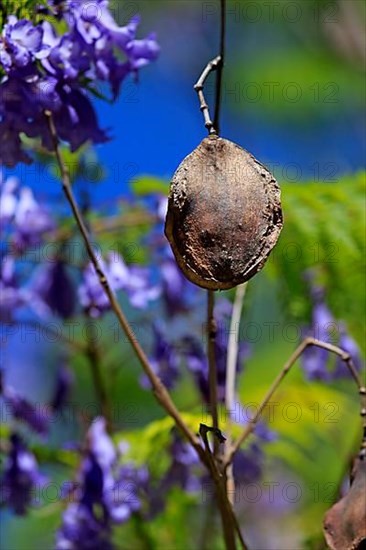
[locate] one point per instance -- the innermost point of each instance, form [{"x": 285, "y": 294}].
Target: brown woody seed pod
[
  {"x": 345, "y": 522},
  {"x": 224, "y": 214}
]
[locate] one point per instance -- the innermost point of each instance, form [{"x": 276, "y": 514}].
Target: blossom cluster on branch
[{"x": 46, "y": 70}]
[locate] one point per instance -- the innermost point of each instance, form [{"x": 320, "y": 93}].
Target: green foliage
[
  {"x": 81, "y": 164},
  {"x": 324, "y": 228},
  {"x": 22, "y": 9},
  {"x": 296, "y": 83},
  {"x": 306, "y": 75},
  {"x": 177, "y": 527},
  {"x": 147, "y": 445},
  {"x": 148, "y": 185}
]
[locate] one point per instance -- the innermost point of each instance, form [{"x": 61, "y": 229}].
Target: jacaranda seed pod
[
  {"x": 345, "y": 522},
  {"x": 224, "y": 214}
]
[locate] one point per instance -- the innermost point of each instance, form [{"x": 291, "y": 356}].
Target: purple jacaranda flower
[
  {"x": 21, "y": 409},
  {"x": 134, "y": 280},
  {"x": 142, "y": 52},
  {"x": 164, "y": 360},
  {"x": 55, "y": 287},
  {"x": 181, "y": 471},
  {"x": 178, "y": 294},
  {"x": 80, "y": 530},
  {"x": 196, "y": 358},
  {"x": 248, "y": 462},
  {"x": 14, "y": 113},
  {"x": 197, "y": 364},
  {"x": 48, "y": 71},
  {"x": 63, "y": 383},
  {"x": 174, "y": 287},
  {"x": 20, "y": 43},
  {"x": 100, "y": 444},
  {"x": 248, "y": 465},
  {"x": 8, "y": 199},
  {"x": 123, "y": 496},
  {"x": 94, "y": 20},
  {"x": 91, "y": 293},
  {"x": 22, "y": 105},
  {"x": 348, "y": 344},
  {"x": 76, "y": 120},
  {"x": 11, "y": 152},
  {"x": 184, "y": 471},
  {"x": 67, "y": 57},
  {"x": 10, "y": 295},
  {"x": 105, "y": 494},
  {"x": 324, "y": 327},
  {"x": 264, "y": 433},
  {"x": 315, "y": 360},
  {"x": 21, "y": 476},
  {"x": 139, "y": 288},
  {"x": 31, "y": 220},
  {"x": 94, "y": 25},
  {"x": 13, "y": 119}
]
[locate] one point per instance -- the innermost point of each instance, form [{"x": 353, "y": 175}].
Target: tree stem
[
  {"x": 231, "y": 362},
  {"x": 161, "y": 393},
  {"x": 100, "y": 389},
  {"x": 287, "y": 367},
  {"x": 221, "y": 65},
  {"x": 212, "y": 371}
]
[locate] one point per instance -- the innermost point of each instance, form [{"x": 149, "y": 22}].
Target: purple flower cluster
[
  {"x": 24, "y": 223},
  {"x": 104, "y": 494},
  {"x": 315, "y": 361},
  {"x": 248, "y": 463},
  {"x": 13, "y": 296},
  {"x": 29, "y": 221},
  {"x": 63, "y": 383},
  {"x": 181, "y": 470},
  {"x": 196, "y": 357},
  {"x": 134, "y": 280},
  {"x": 164, "y": 360},
  {"x": 179, "y": 295},
  {"x": 21, "y": 476},
  {"x": 56, "y": 288},
  {"x": 22, "y": 409},
  {"x": 177, "y": 292},
  {"x": 45, "y": 71}
]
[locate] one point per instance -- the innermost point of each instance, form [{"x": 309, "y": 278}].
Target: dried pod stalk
[{"x": 224, "y": 214}]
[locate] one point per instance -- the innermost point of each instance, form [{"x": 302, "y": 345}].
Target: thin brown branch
[
  {"x": 161, "y": 393},
  {"x": 229, "y": 522},
  {"x": 288, "y": 365},
  {"x": 212, "y": 371},
  {"x": 93, "y": 355},
  {"x": 220, "y": 67},
  {"x": 231, "y": 362},
  {"x": 114, "y": 223},
  {"x": 212, "y": 65}
]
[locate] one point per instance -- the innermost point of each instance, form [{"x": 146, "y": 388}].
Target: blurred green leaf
[
  {"x": 324, "y": 228},
  {"x": 302, "y": 82},
  {"x": 148, "y": 185}
]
